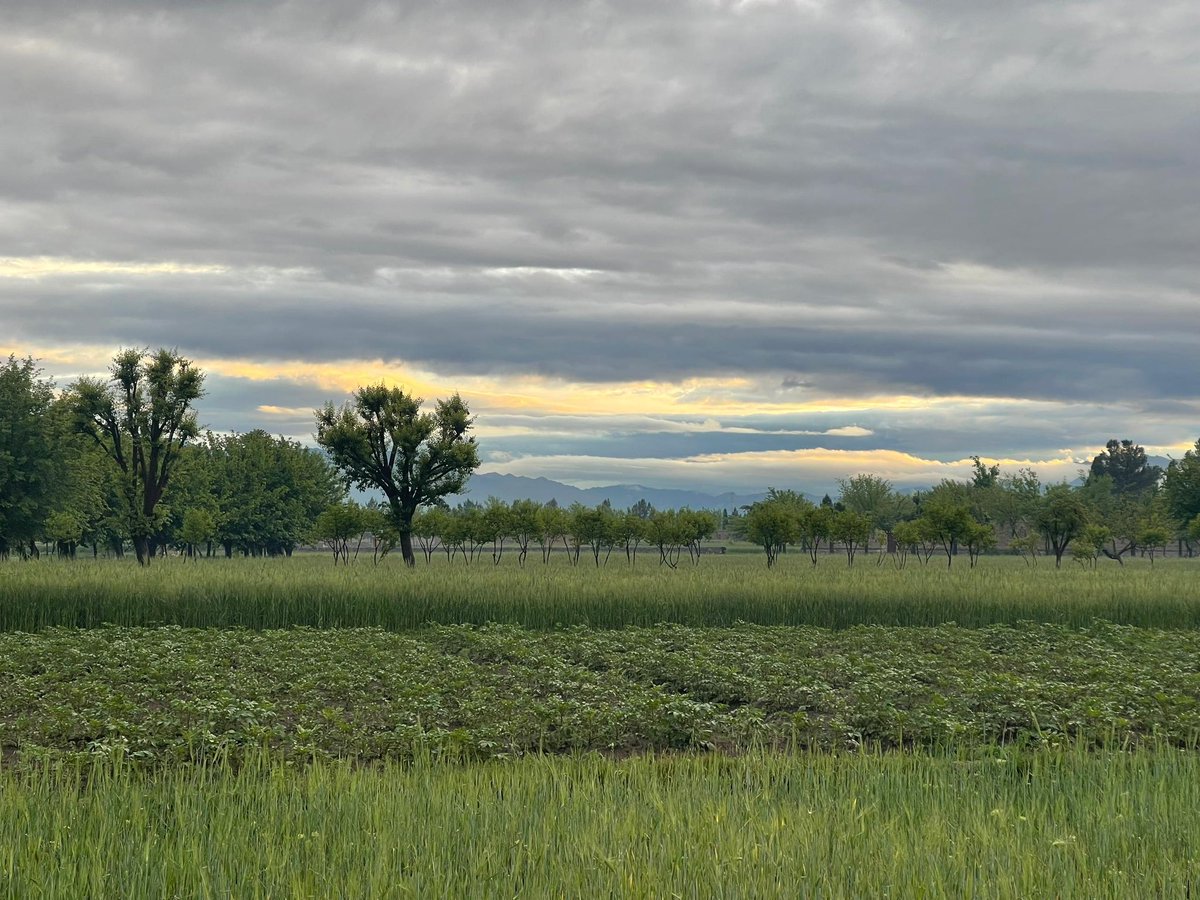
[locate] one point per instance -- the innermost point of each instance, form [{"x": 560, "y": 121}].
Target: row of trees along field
[
  {"x": 94, "y": 467},
  {"x": 1124, "y": 506},
  {"x": 123, "y": 462},
  {"x": 474, "y": 531}
]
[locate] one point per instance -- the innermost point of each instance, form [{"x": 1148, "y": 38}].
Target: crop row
[
  {"x": 168, "y": 694},
  {"x": 719, "y": 591}
]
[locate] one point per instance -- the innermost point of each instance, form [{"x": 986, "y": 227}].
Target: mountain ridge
[{"x": 519, "y": 487}]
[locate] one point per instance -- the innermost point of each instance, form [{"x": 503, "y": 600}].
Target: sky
[{"x": 708, "y": 245}]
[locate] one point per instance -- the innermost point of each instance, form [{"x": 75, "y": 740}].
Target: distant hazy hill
[{"x": 621, "y": 496}]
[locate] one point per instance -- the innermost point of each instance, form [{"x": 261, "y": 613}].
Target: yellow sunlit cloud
[
  {"x": 773, "y": 467},
  {"x": 647, "y": 404},
  {"x": 706, "y": 398},
  {"x": 55, "y": 266},
  {"x": 289, "y": 411}
]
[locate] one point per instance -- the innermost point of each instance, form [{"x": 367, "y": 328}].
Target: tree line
[
  {"x": 1124, "y": 506},
  {"x": 111, "y": 465},
  {"x": 122, "y": 462},
  {"x": 474, "y": 531}
]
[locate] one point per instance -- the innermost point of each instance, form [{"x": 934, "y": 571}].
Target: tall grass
[
  {"x": 720, "y": 591},
  {"x": 1001, "y": 825}
]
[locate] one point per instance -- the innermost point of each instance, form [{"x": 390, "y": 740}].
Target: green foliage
[
  {"x": 669, "y": 531},
  {"x": 632, "y": 530},
  {"x": 553, "y": 525},
  {"x": 525, "y": 527},
  {"x": 814, "y": 527},
  {"x": 874, "y": 498},
  {"x": 852, "y": 530},
  {"x": 199, "y": 528},
  {"x": 382, "y": 440},
  {"x": 979, "y": 538},
  {"x": 502, "y": 691},
  {"x": 983, "y": 476},
  {"x": 1126, "y": 515},
  {"x": 595, "y": 527},
  {"x": 948, "y": 523},
  {"x": 1155, "y": 536},
  {"x": 772, "y": 524},
  {"x": 141, "y": 418},
  {"x": 268, "y": 491},
  {"x": 1011, "y": 504},
  {"x": 1061, "y": 517},
  {"x": 89, "y": 485},
  {"x": 1125, "y": 463},
  {"x": 495, "y": 526},
  {"x": 29, "y": 466},
  {"x": 1088, "y": 547},
  {"x": 1181, "y": 486},
  {"x": 338, "y": 525},
  {"x": 697, "y": 526},
  {"x": 908, "y": 536},
  {"x": 1027, "y": 546},
  {"x": 66, "y": 530}
]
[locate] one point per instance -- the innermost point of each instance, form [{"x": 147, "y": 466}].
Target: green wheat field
[{"x": 285, "y": 728}]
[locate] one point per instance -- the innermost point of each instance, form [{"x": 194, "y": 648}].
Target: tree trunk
[
  {"x": 141, "y": 546},
  {"x": 406, "y": 548}
]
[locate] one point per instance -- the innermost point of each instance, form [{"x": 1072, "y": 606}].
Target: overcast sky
[{"x": 711, "y": 245}]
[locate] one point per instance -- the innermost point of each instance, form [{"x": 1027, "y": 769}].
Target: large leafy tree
[
  {"x": 1061, "y": 517},
  {"x": 382, "y": 440},
  {"x": 141, "y": 417},
  {"x": 28, "y": 467},
  {"x": 773, "y": 523},
  {"x": 87, "y": 498},
  {"x": 1126, "y": 464},
  {"x": 874, "y": 497},
  {"x": 1012, "y": 501},
  {"x": 268, "y": 490},
  {"x": 948, "y": 524},
  {"x": 1181, "y": 487}
]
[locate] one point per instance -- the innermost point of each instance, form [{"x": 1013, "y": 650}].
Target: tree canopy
[
  {"x": 28, "y": 471},
  {"x": 382, "y": 440},
  {"x": 141, "y": 418},
  {"x": 1126, "y": 464}
]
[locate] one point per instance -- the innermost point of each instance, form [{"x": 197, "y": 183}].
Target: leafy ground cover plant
[{"x": 169, "y": 695}]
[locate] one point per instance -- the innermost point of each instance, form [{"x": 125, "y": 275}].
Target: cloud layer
[{"x": 956, "y": 228}]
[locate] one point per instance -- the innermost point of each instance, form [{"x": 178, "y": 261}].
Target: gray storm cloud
[{"x": 982, "y": 199}]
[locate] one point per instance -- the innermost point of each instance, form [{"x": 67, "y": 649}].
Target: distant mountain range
[{"x": 621, "y": 496}]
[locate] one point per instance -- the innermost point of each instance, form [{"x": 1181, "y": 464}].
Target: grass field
[
  {"x": 719, "y": 591},
  {"x": 1000, "y": 824},
  {"x": 271, "y": 728}
]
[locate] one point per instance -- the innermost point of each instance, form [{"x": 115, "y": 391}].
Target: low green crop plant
[{"x": 172, "y": 696}]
